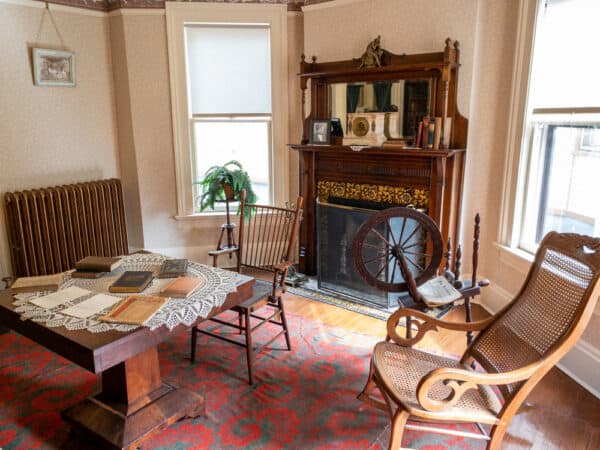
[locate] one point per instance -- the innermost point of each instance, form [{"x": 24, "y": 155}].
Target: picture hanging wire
[{"x": 52, "y": 21}]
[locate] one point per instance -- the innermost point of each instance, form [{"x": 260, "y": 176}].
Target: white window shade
[
  {"x": 229, "y": 69},
  {"x": 565, "y": 71}
]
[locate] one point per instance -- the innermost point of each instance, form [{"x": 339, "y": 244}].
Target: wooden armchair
[
  {"x": 265, "y": 243},
  {"x": 515, "y": 348}
]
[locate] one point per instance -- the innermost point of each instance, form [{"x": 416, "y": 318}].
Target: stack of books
[
  {"x": 429, "y": 133},
  {"x": 95, "y": 266}
]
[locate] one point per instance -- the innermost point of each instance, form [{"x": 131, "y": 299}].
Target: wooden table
[{"x": 134, "y": 401}]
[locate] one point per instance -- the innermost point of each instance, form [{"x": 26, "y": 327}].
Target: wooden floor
[{"x": 559, "y": 414}]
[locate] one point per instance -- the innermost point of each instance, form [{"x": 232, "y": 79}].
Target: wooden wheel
[{"x": 393, "y": 234}]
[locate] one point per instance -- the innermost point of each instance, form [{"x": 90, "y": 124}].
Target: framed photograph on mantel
[
  {"x": 320, "y": 131},
  {"x": 53, "y": 67}
]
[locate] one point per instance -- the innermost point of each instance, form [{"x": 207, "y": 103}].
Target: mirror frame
[{"x": 441, "y": 68}]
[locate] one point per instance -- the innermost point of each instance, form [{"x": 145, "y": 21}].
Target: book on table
[
  {"x": 438, "y": 292},
  {"x": 173, "y": 268},
  {"x": 86, "y": 274},
  {"x": 98, "y": 264},
  {"x": 135, "y": 309},
  {"x": 131, "y": 282},
  {"x": 37, "y": 284},
  {"x": 182, "y": 287}
]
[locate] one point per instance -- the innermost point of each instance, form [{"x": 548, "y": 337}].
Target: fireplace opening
[{"x": 338, "y": 222}]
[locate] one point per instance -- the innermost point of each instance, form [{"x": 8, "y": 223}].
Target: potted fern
[{"x": 224, "y": 184}]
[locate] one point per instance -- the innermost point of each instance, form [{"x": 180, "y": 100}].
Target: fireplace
[{"x": 338, "y": 222}]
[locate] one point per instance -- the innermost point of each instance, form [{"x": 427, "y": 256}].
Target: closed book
[
  {"x": 135, "y": 309},
  {"x": 131, "y": 282},
  {"x": 437, "y": 133},
  {"x": 98, "y": 264},
  {"x": 431, "y": 134},
  {"x": 173, "y": 268},
  {"x": 419, "y": 140},
  {"x": 182, "y": 287},
  {"x": 425, "y": 134},
  {"x": 37, "y": 284},
  {"x": 86, "y": 274}
]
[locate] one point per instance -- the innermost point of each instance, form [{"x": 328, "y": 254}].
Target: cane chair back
[{"x": 544, "y": 312}]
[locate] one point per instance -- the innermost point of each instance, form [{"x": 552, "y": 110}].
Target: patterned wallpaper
[{"x": 110, "y": 5}]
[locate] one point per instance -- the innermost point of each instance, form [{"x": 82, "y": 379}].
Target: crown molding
[
  {"x": 56, "y": 7},
  {"x": 107, "y": 6}
]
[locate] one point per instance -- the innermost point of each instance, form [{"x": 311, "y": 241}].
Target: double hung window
[
  {"x": 229, "y": 85},
  {"x": 560, "y": 157}
]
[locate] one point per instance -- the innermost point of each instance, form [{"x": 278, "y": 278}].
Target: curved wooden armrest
[
  {"x": 461, "y": 380},
  {"x": 428, "y": 324}
]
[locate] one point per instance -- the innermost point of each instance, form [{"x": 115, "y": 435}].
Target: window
[
  {"x": 228, "y": 70},
  {"x": 560, "y": 157},
  {"x": 229, "y": 85}
]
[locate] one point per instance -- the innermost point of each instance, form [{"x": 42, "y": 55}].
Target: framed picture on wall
[
  {"x": 320, "y": 131},
  {"x": 53, "y": 67}
]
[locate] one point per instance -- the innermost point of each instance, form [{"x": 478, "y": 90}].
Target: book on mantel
[
  {"x": 131, "y": 282},
  {"x": 173, "y": 268},
  {"x": 97, "y": 264}
]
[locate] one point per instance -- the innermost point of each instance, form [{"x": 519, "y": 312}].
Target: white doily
[{"x": 217, "y": 284}]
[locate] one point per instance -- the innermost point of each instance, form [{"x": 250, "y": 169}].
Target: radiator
[{"x": 50, "y": 229}]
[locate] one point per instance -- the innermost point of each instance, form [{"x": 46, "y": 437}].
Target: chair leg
[
  {"x": 240, "y": 322},
  {"x": 193, "y": 350},
  {"x": 284, "y": 323},
  {"x": 398, "y": 423},
  {"x": 496, "y": 436},
  {"x": 249, "y": 347},
  {"x": 370, "y": 385}
]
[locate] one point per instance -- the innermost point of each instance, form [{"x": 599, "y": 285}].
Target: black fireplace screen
[{"x": 337, "y": 227}]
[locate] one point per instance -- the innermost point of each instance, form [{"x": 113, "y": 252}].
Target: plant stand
[{"x": 227, "y": 228}]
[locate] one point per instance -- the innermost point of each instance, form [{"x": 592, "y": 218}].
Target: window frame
[{"x": 177, "y": 16}]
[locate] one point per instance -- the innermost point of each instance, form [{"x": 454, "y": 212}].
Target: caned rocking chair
[
  {"x": 266, "y": 243},
  {"x": 515, "y": 348}
]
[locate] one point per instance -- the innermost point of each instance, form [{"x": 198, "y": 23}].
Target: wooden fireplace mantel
[
  {"x": 429, "y": 179},
  {"x": 439, "y": 173}
]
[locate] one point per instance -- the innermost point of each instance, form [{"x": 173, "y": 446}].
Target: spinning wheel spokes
[{"x": 391, "y": 235}]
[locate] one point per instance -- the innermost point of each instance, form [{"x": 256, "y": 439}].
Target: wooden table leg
[{"x": 134, "y": 403}]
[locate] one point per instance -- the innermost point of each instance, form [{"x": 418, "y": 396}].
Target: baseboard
[
  {"x": 582, "y": 363},
  {"x": 493, "y": 298}
]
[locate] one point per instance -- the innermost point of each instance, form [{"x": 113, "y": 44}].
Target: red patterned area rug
[{"x": 304, "y": 399}]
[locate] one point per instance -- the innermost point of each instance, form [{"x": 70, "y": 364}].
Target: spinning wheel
[{"x": 398, "y": 249}]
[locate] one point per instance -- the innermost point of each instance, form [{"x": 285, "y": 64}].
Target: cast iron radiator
[{"x": 50, "y": 229}]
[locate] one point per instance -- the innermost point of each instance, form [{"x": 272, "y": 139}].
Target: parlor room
[{"x": 299, "y": 224}]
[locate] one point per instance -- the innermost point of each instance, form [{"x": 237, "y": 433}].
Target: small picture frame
[
  {"x": 320, "y": 131},
  {"x": 336, "y": 127},
  {"x": 53, "y": 67}
]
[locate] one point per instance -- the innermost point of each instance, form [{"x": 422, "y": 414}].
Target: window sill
[
  {"x": 203, "y": 216},
  {"x": 516, "y": 258}
]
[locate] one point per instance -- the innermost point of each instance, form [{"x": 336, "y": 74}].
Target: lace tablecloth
[{"x": 217, "y": 284}]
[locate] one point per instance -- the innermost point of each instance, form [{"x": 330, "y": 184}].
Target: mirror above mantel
[{"x": 406, "y": 102}]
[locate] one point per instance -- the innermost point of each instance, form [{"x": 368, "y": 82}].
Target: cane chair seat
[{"x": 401, "y": 368}]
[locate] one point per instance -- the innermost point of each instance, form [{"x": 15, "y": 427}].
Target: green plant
[{"x": 212, "y": 186}]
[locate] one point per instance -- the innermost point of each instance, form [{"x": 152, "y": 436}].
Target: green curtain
[{"x": 383, "y": 95}]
